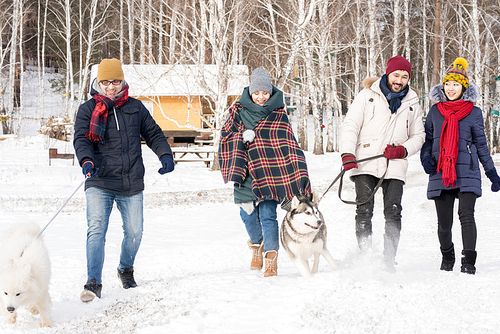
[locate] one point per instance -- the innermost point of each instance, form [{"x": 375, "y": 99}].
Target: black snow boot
[
  {"x": 91, "y": 290},
  {"x": 127, "y": 277},
  {"x": 448, "y": 259},
  {"x": 390, "y": 250},
  {"x": 364, "y": 235},
  {"x": 468, "y": 261}
]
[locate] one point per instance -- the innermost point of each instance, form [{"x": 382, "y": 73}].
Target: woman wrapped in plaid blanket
[{"x": 259, "y": 153}]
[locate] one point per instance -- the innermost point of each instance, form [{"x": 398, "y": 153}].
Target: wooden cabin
[{"x": 180, "y": 97}]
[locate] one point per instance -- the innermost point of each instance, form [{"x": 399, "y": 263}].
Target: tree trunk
[
  {"x": 304, "y": 17},
  {"x": 41, "y": 60},
  {"x": 131, "y": 41},
  {"x": 12, "y": 65},
  {"x": 357, "y": 51},
  {"x": 425, "y": 68},
  {"x": 150, "y": 32},
  {"x": 372, "y": 19},
  {"x": 496, "y": 108},
  {"x": 437, "y": 39},
  {"x": 396, "y": 23},
  {"x": 21, "y": 70},
  {"x": 478, "y": 64},
  {"x": 274, "y": 33},
  {"x": 90, "y": 47},
  {"x": 406, "y": 14},
  {"x": 173, "y": 33},
  {"x": 161, "y": 33}
]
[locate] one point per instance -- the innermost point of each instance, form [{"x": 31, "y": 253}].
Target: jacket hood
[
  {"x": 437, "y": 94},
  {"x": 369, "y": 81},
  {"x": 252, "y": 113}
]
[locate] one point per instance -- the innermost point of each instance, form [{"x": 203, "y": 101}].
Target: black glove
[
  {"x": 429, "y": 165},
  {"x": 167, "y": 163},
  {"x": 494, "y": 178}
]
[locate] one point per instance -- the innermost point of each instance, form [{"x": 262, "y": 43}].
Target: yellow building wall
[{"x": 177, "y": 108}]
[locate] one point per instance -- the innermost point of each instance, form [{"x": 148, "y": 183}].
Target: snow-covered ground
[{"x": 193, "y": 265}]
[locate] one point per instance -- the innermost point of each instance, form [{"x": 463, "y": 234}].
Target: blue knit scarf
[{"x": 394, "y": 99}]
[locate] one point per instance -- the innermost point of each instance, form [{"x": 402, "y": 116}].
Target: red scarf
[
  {"x": 99, "y": 120},
  {"x": 453, "y": 111}
]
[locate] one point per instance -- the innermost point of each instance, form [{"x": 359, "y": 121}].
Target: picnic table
[
  {"x": 193, "y": 154},
  {"x": 204, "y": 139}
]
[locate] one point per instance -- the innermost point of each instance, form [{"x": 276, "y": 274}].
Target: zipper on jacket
[
  {"x": 471, "y": 160},
  {"x": 116, "y": 119}
]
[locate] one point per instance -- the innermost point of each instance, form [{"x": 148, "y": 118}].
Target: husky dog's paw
[
  {"x": 34, "y": 310},
  {"x": 11, "y": 319},
  {"x": 47, "y": 324}
]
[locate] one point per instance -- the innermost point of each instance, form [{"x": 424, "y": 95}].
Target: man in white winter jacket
[{"x": 385, "y": 117}]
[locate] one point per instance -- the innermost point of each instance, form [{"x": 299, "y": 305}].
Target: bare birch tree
[
  {"x": 16, "y": 20},
  {"x": 396, "y": 9},
  {"x": 131, "y": 38},
  {"x": 89, "y": 40},
  {"x": 425, "y": 66},
  {"x": 42, "y": 30},
  {"x": 372, "y": 58},
  {"x": 406, "y": 15},
  {"x": 476, "y": 37}
]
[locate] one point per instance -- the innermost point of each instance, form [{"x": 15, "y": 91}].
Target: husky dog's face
[
  {"x": 15, "y": 283},
  {"x": 305, "y": 216}
]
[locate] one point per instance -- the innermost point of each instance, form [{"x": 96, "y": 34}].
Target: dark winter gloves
[
  {"x": 248, "y": 136},
  {"x": 494, "y": 178},
  {"x": 167, "y": 163},
  {"x": 88, "y": 169},
  {"x": 429, "y": 165},
  {"x": 349, "y": 161},
  {"x": 395, "y": 152}
]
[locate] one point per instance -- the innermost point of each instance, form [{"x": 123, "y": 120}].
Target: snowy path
[{"x": 192, "y": 268}]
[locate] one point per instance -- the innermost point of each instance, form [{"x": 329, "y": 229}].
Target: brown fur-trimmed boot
[
  {"x": 271, "y": 263},
  {"x": 257, "y": 260}
]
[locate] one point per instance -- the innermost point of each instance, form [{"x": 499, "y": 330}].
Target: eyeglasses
[{"x": 108, "y": 82}]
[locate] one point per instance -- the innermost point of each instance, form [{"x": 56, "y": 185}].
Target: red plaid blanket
[{"x": 274, "y": 159}]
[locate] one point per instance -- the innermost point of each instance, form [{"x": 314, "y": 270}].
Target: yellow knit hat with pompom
[{"x": 458, "y": 73}]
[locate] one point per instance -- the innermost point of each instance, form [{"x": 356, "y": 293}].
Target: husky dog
[
  {"x": 303, "y": 234},
  {"x": 24, "y": 273}
]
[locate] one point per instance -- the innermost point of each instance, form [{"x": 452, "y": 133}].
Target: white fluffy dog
[{"x": 24, "y": 273}]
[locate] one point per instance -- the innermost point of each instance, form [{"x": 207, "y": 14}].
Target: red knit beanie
[{"x": 398, "y": 63}]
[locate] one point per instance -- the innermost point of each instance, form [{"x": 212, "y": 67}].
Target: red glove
[
  {"x": 395, "y": 152},
  {"x": 349, "y": 161}
]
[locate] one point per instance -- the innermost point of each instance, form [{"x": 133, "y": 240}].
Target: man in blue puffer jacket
[{"x": 108, "y": 133}]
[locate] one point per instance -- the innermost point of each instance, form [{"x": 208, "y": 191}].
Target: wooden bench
[
  {"x": 193, "y": 155},
  {"x": 207, "y": 161},
  {"x": 54, "y": 155}
]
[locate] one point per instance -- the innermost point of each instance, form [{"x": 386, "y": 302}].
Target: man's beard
[{"x": 390, "y": 86}]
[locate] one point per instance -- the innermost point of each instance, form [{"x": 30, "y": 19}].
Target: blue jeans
[
  {"x": 262, "y": 224},
  {"x": 99, "y": 206}
]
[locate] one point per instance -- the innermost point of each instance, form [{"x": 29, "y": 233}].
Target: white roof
[{"x": 180, "y": 80}]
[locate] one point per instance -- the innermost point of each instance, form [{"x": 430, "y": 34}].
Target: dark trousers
[
  {"x": 444, "y": 208},
  {"x": 392, "y": 190}
]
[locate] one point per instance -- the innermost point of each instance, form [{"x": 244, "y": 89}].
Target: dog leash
[
  {"x": 341, "y": 177},
  {"x": 74, "y": 192}
]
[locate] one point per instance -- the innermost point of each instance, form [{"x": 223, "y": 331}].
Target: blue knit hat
[{"x": 260, "y": 81}]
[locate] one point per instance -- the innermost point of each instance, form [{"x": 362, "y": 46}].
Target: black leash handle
[{"x": 341, "y": 177}]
